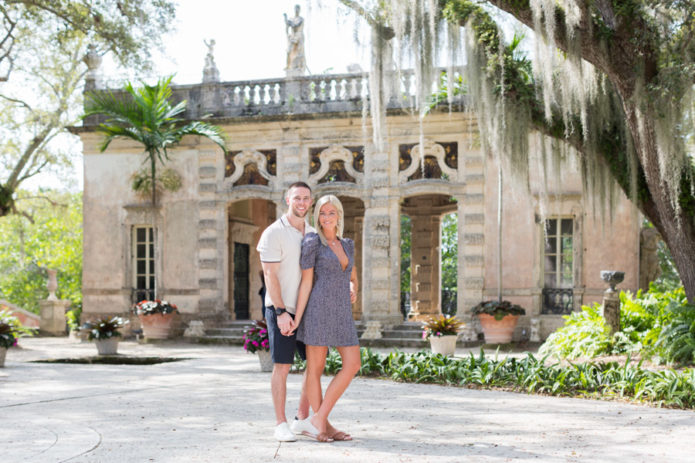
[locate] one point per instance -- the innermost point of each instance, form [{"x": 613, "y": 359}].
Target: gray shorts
[{"x": 282, "y": 348}]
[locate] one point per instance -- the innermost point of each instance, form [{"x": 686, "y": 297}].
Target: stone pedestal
[
  {"x": 611, "y": 310},
  {"x": 53, "y": 317}
]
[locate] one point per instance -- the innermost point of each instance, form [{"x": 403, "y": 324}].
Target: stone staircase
[{"x": 407, "y": 334}]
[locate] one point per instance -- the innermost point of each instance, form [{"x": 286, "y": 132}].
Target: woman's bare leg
[
  {"x": 315, "y": 363},
  {"x": 351, "y": 365}
]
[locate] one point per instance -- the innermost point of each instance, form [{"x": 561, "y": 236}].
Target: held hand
[
  {"x": 295, "y": 325},
  {"x": 353, "y": 296},
  {"x": 285, "y": 324}
]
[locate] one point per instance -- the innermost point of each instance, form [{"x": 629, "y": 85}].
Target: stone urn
[
  {"x": 108, "y": 346},
  {"x": 445, "y": 345},
  {"x": 3, "y": 353},
  {"x": 265, "y": 359},
  {"x": 498, "y": 331},
  {"x": 157, "y": 325}
]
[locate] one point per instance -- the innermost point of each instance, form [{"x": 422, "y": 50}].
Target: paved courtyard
[{"x": 215, "y": 407}]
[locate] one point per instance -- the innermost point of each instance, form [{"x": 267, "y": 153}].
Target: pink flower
[
  {"x": 255, "y": 343},
  {"x": 424, "y": 334}
]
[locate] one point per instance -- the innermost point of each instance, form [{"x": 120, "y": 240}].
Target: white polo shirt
[{"x": 281, "y": 242}]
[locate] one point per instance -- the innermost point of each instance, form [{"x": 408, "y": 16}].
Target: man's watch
[{"x": 280, "y": 310}]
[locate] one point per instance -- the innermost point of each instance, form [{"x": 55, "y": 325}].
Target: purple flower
[{"x": 255, "y": 343}]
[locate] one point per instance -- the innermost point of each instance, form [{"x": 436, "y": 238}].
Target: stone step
[{"x": 407, "y": 334}]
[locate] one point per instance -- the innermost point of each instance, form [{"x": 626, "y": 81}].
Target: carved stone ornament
[
  {"x": 249, "y": 157},
  {"x": 430, "y": 149},
  {"x": 335, "y": 153}
]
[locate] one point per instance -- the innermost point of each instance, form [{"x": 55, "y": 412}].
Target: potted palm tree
[
  {"x": 442, "y": 333},
  {"x": 498, "y": 319},
  {"x": 147, "y": 116},
  {"x": 105, "y": 333}
]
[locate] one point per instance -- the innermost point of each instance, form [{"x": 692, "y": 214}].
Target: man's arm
[{"x": 272, "y": 285}]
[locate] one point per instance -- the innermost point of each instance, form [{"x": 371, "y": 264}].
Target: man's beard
[{"x": 298, "y": 214}]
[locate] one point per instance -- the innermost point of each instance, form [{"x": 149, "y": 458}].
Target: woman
[{"x": 324, "y": 314}]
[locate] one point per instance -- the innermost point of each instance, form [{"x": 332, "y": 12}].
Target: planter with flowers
[
  {"x": 442, "y": 333},
  {"x": 498, "y": 320},
  {"x": 156, "y": 318},
  {"x": 104, "y": 332},
  {"x": 256, "y": 341},
  {"x": 10, "y": 331}
]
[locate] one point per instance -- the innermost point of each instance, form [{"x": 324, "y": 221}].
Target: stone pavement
[{"x": 215, "y": 407}]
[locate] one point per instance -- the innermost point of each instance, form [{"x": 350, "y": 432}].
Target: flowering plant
[
  {"x": 10, "y": 329},
  {"x": 104, "y": 328},
  {"x": 256, "y": 337},
  {"x": 152, "y": 307},
  {"x": 441, "y": 326}
]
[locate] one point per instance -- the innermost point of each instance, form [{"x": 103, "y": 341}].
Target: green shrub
[
  {"x": 531, "y": 374},
  {"x": 659, "y": 325},
  {"x": 584, "y": 334}
]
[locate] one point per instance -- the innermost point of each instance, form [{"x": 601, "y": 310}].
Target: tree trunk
[{"x": 677, "y": 227}]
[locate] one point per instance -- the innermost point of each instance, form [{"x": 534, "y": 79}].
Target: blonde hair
[{"x": 317, "y": 209}]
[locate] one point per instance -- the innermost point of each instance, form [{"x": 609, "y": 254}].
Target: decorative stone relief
[
  {"x": 437, "y": 162},
  {"x": 348, "y": 160},
  {"x": 373, "y": 330},
  {"x": 251, "y": 166}
]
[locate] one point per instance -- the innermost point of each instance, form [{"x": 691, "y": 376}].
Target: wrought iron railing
[{"x": 558, "y": 301}]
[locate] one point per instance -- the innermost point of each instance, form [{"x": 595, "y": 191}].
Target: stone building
[{"x": 197, "y": 246}]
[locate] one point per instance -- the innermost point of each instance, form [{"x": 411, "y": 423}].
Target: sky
[{"x": 251, "y": 43}]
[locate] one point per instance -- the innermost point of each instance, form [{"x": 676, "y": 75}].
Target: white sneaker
[
  {"x": 283, "y": 433},
  {"x": 295, "y": 426},
  {"x": 301, "y": 426}
]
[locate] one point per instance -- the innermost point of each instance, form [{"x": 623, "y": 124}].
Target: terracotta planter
[
  {"x": 157, "y": 325},
  {"x": 265, "y": 359},
  {"x": 445, "y": 345},
  {"x": 498, "y": 332},
  {"x": 3, "y": 352},
  {"x": 107, "y": 346}
]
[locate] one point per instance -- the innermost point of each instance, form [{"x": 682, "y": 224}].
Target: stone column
[
  {"x": 425, "y": 264},
  {"x": 380, "y": 245},
  {"x": 611, "y": 300},
  {"x": 212, "y": 231}
]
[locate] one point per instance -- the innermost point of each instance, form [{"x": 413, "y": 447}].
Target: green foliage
[
  {"x": 584, "y": 334},
  {"x": 72, "y": 317},
  {"x": 657, "y": 325},
  {"x": 530, "y": 374},
  {"x": 406, "y": 232},
  {"x": 44, "y": 43},
  {"x": 104, "y": 328},
  {"x": 10, "y": 329},
  {"x": 128, "y": 28},
  {"x": 148, "y": 116},
  {"x": 498, "y": 309},
  {"x": 449, "y": 256},
  {"x": 53, "y": 241}
]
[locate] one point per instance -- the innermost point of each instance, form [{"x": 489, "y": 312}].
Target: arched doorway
[
  {"x": 247, "y": 220},
  {"x": 423, "y": 215}
]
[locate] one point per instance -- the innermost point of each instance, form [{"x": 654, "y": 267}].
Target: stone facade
[{"x": 311, "y": 128}]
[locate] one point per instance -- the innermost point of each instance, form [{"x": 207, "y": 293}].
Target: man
[{"x": 280, "y": 249}]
